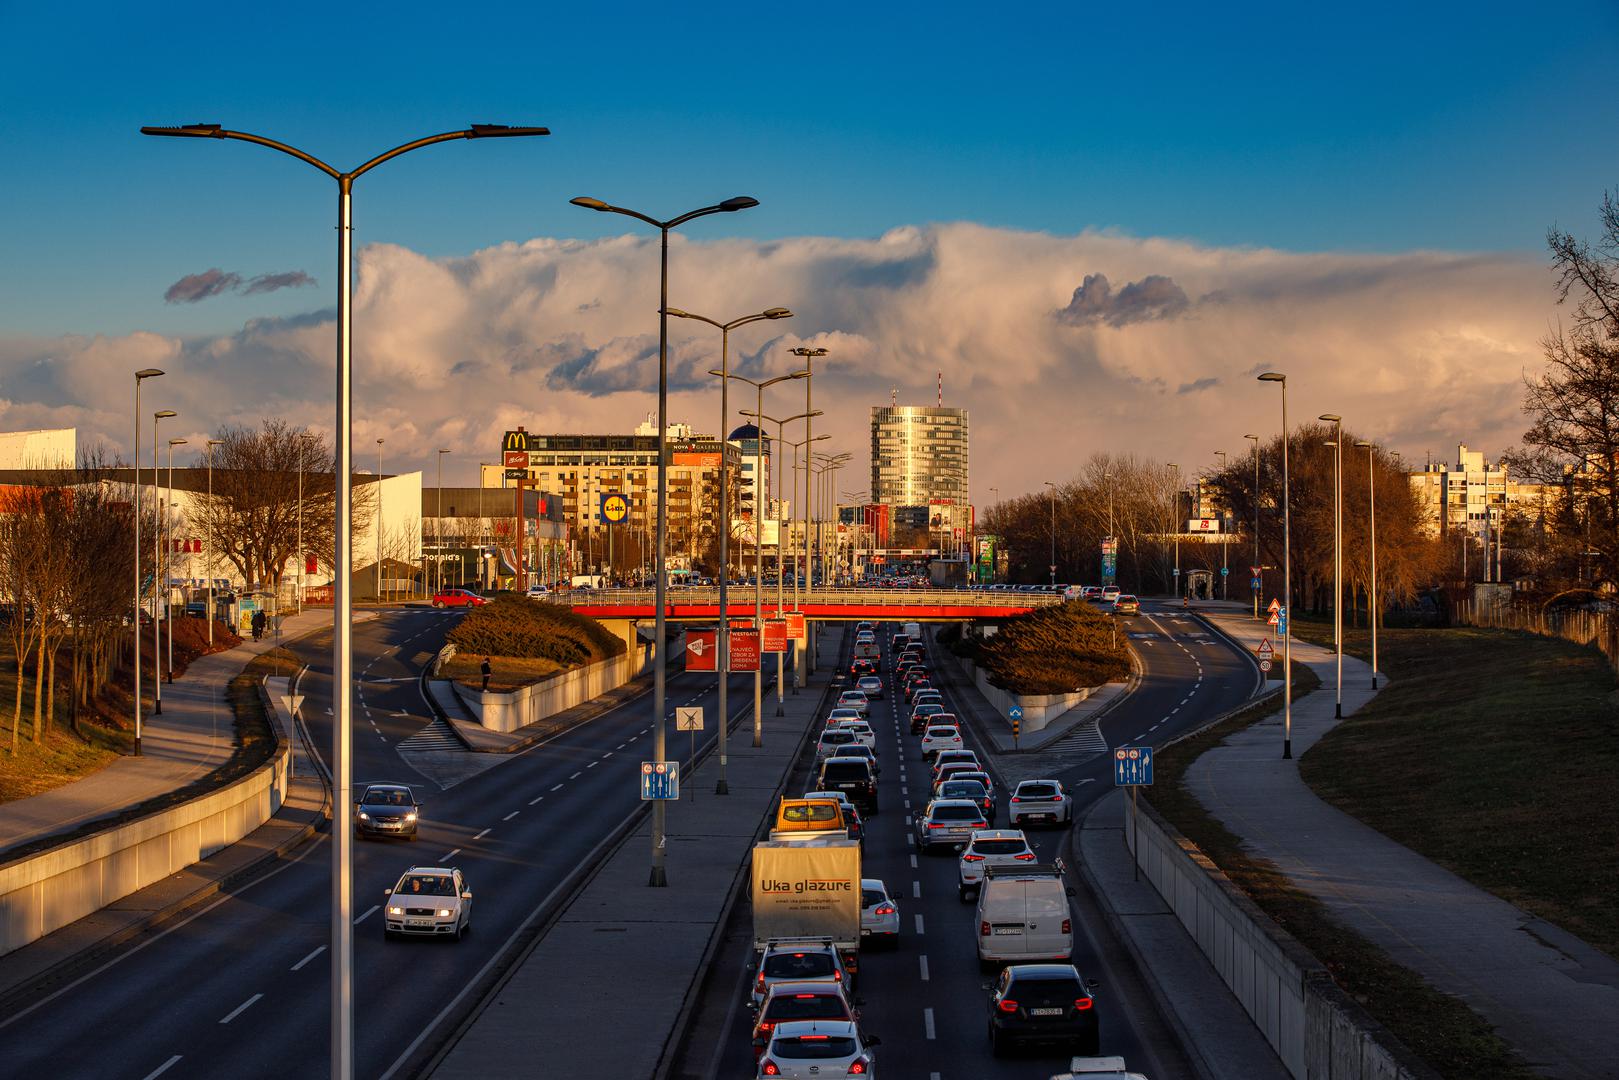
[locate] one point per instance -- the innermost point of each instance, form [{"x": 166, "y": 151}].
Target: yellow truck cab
[{"x": 806, "y": 820}]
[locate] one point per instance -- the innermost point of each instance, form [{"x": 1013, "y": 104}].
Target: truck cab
[{"x": 809, "y": 820}]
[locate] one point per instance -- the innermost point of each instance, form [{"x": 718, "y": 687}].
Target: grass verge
[
  {"x": 1441, "y": 1029},
  {"x": 507, "y": 672}
]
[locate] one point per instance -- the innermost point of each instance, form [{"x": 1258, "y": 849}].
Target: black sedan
[
  {"x": 1042, "y": 1003},
  {"x": 387, "y": 810}
]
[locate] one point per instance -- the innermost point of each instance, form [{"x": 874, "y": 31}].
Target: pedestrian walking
[
  {"x": 487, "y": 671},
  {"x": 258, "y": 625}
]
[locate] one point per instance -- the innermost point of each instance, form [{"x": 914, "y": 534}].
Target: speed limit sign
[{"x": 1264, "y": 665}]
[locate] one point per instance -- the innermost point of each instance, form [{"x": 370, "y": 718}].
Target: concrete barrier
[
  {"x": 45, "y": 891},
  {"x": 1038, "y": 709},
  {"x": 1318, "y": 1032},
  {"x": 531, "y": 704}
]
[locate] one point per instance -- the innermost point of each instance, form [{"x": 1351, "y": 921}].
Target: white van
[
  {"x": 1023, "y": 915},
  {"x": 912, "y": 630}
]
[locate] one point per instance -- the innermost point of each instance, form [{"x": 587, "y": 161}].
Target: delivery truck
[{"x": 808, "y": 890}]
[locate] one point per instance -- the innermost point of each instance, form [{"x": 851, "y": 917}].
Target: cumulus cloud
[
  {"x": 209, "y": 283},
  {"x": 1418, "y": 350}
]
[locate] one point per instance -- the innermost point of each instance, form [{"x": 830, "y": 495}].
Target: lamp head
[
  {"x": 147, "y": 373},
  {"x": 716, "y": 372},
  {"x": 177, "y": 442},
  {"x": 1253, "y": 437},
  {"x": 805, "y": 374},
  {"x": 502, "y": 131},
  {"x": 188, "y": 131},
  {"x": 676, "y": 313},
  {"x": 739, "y": 202},
  {"x": 1364, "y": 445},
  {"x": 1330, "y": 417},
  {"x": 164, "y": 414},
  {"x": 588, "y": 203},
  {"x": 1273, "y": 376},
  {"x": 444, "y": 451},
  {"x": 216, "y": 442},
  {"x": 777, "y": 313}
]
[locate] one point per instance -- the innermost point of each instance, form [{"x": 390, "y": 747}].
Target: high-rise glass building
[{"x": 918, "y": 455}]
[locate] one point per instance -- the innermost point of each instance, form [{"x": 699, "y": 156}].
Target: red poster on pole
[
  {"x": 775, "y": 639},
  {"x": 702, "y": 654},
  {"x": 744, "y": 650},
  {"x": 795, "y": 625}
]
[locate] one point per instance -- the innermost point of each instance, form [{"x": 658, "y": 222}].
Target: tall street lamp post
[
  {"x": 140, "y": 376},
  {"x": 1225, "y": 562},
  {"x": 1374, "y": 606},
  {"x": 798, "y": 676},
  {"x": 342, "y": 927},
  {"x": 158, "y": 571},
  {"x": 304, "y": 439},
  {"x": 1287, "y": 579},
  {"x": 209, "y": 563},
  {"x": 379, "y": 523},
  {"x": 1052, "y": 565},
  {"x": 781, "y": 572},
  {"x": 1257, "y": 570},
  {"x": 807, "y": 646},
  {"x": 1337, "y": 444},
  {"x": 438, "y": 528},
  {"x": 1174, "y": 522},
  {"x": 723, "y": 787},
  {"x": 172, "y": 444}
]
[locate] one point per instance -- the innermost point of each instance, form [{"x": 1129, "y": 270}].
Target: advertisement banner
[
  {"x": 775, "y": 639},
  {"x": 795, "y": 625},
  {"x": 702, "y": 654},
  {"x": 744, "y": 650},
  {"x": 1203, "y": 525}
]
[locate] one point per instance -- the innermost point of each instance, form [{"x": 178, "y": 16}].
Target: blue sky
[{"x": 1364, "y": 128}]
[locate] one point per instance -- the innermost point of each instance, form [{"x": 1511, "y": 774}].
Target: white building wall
[{"x": 50, "y": 448}]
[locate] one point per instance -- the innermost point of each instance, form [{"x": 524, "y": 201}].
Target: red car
[{"x": 458, "y": 598}]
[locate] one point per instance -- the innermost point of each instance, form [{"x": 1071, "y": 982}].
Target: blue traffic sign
[
  {"x": 1225, "y": 571},
  {"x": 1132, "y": 766},
  {"x": 1015, "y": 712},
  {"x": 660, "y": 780},
  {"x": 1177, "y": 571},
  {"x": 1281, "y": 621},
  {"x": 1256, "y": 584}
]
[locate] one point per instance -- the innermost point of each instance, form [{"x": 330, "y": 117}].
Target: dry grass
[{"x": 510, "y": 672}]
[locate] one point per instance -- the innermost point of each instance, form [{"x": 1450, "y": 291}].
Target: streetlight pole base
[
  {"x": 658, "y": 879},
  {"x": 157, "y": 707},
  {"x": 1374, "y": 682},
  {"x": 137, "y": 746},
  {"x": 1338, "y": 711},
  {"x": 722, "y": 788},
  {"x": 1287, "y": 750}
]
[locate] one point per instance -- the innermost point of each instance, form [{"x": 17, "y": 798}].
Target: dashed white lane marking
[
  {"x": 923, "y": 960},
  {"x": 620, "y": 746},
  {"x": 299, "y": 965},
  {"x": 927, "y": 1022},
  {"x": 919, "y": 929},
  {"x": 161, "y": 1069},
  {"x": 916, "y": 890},
  {"x": 577, "y": 775},
  {"x": 913, "y": 861},
  {"x": 511, "y": 815},
  {"x": 368, "y": 913},
  {"x": 1175, "y": 710},
  {"x": 535, "y": 799},
  {"x": 907, "y": 820},
  {"x": 557, "y": 787},
  {"x": 593, "y": 764},
  {"x": 240, "y": 1009},
  {"x": 607, "y": 755},
  {"x": 452, "y": 854},
  {"x": 911, "y": 840},
  {"x": 481, "y": 835}
]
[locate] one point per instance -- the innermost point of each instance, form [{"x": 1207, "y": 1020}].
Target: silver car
[
  {"x": 813, "y": 1049},
  {"x": 430, "y": 901},
  {"x": 879, "y": 914},
  {"x": 948, "y": 822},
  {"x": 1040, "y": 801}
]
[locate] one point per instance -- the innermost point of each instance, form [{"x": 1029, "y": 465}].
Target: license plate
[
  {"x": 864, "y": 932},
  {"x": 1008, "y": 930},
  {"x": 418, "y": 922},
  {"x": 1040, "y": 817},
  {"x": 1045, "y": 1012}
]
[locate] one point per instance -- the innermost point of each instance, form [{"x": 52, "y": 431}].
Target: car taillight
[
  {"x": 1082, "y": 1003},
  {"x": 934, "y": 825},
  {"x": 983, "y": 929},
  {"x": 769, "y": 1068},
  {"x": 972, "y": 858},
  {"x": 1007, "y": 1005},
  {"x": 1016, "y": 799},
  {"x": 884, "y": 909},
  {"x": 765, "y": 1027},
  {"x": 1027, "y": 856},
  {"x": 761, "y": 981},
  {"x": 858, "y": 1067},
  {"x": 1067, "y": 927}
]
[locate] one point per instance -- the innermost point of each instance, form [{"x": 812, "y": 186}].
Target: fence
[{"x": 1597, "y": 629}]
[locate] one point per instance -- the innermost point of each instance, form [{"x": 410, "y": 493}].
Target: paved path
[
  {"x": 193, "y": 736},
  {"x": 1549, "y": 995}
]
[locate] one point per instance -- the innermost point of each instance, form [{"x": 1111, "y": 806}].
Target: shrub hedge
[
  {"x": 1054, "y": 650},
  {"x": 518, "y": 626}
]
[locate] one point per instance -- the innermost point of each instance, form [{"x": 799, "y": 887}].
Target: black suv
[
  {"x": 1042, "y": 1003},
  {"x": 852, "y": 776}
]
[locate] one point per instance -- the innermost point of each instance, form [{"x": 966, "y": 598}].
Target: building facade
[
  {"x": 1473, "y": 494},
  {"x": 919, "y": 453}
]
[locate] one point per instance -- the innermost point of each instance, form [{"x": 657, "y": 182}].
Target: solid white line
[
  {"x": 452, "y": 854},
  {"x": 308, "y": 958},
  {"x": 161, "y": 1069},
  {"x": 924, "y": 961},
  {"x": 234, "y": 1013},
  {"x": 558, "y": 787},
  {"x": 481, "y": 835},
  {"x": 916, "y": 890},
  {"x": 927, "y": 1022},
  {"x": 369, "y": 910},
  {"x": 511, "y": 815},
  {"x": 919, "y": 929},
  {"x": 535, "y": 799}
]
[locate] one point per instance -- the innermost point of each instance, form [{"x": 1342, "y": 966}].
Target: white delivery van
[
  {"x": 1023, "y": 915},
  {"x": 912, "y": 630}
]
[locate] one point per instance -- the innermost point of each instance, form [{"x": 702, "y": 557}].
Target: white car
[
  {"x": 430, "y": 901},
  {"x": 538, "y": 592},
  {"x": 832, "y": 741},
  {"x": 990, "y": 847},
  {"x": 862, "y": 732},
  {"x": 853, "y": 699},
  {"x": 871, "y": 686},
  {"x": 815, "y": 1049},
  {"x": 1040, "y": 800},
  {"x": 879, "y": 913},
  {"x": 790, "y": 960},
  {"x": 839, "y": 716},
  {"x": 1110, "y": 593},
  {"x": 937, "y": 738},
  {"x": 926, "y": 697}
]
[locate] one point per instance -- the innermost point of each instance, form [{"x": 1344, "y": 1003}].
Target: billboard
[
  {"x": 775, "y": 639},
  {"x": 744, "y": 650},
  {"x": 795, "y": 625},
  {"x": 742, "y": 529},
  {"x": 702, "y": 654},
  {"x": 1203, "y": 525}
]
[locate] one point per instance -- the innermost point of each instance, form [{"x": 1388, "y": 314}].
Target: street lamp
[
  {"x": 209, "y": 564},
  {"x": 807, "y": 647},
  {"x": 142, "y": 374},
  {"x": 342, "y": 927},
  {"x": 723, "y": 787},
  {"x": 438, "y": 528},
  {"x": 760, "y": 418},
  {"x": 1053, "y": 565},
  {"x": 1225, "y": 563},
  {"x": 1257, "y": 565},
  {"x": 758, "y": 539},
  {"x": 304, "y": 439},
  {"x": 1287, "y": 580},
  {"x": 172, "y": 444},
  {"x": 1174, "y": 522},
  {"x": 798, "y": 674},
  {"x": 379, "y": 522},
  {"x": 658, "y": 877},
  {"x": 830, "y": 465},
  {"x": 157, "y": 572},
  {"x": 1337, "y": 444},
  {"x": 1374, "y": 605}
]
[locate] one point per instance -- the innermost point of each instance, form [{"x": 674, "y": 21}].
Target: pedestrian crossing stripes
[
  {"x": 437, "y": 735},
  {"x": 1086, "y": 738}
]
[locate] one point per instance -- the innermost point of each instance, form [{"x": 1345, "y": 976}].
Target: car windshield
[
  {"x": 871, "y": 897},
  {"x": 1037, "y": 791},
  {"x": 787, "y": 1007},
  {"x": 808, "y": 812},
  {"x": 813, "y": 1047},
  {"x": 998, "y": 847},
  {"x": 956, "y": 813},
  {"x": 799, "y": 965},
  {"x": 386, "y": 797},
  {"x": 426, "y": 885}
]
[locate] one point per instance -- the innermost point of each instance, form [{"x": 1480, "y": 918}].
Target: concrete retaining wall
[
  {"x": 1038, "y": 709},
  {"x": 40, "y": 893},
  {"x": 531, "y": 704},
  {"x": 1316, "y": 1030}
]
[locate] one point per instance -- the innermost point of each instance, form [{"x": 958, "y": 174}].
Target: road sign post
[
  {"x": 1132, "y": 768},
  {"x": 660, "y": 780},
  {"x": 690, "y": 718},
  {"x": 1015, "y": 714}
]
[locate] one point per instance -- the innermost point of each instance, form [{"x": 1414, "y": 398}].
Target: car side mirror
[
  {"x": 467, "y": 895},
  {"x": 1091, "y": 984},
  {"x": 987, "y": 986}
]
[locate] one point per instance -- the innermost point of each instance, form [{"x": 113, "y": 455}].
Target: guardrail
[{"x": 741, "y": 596}]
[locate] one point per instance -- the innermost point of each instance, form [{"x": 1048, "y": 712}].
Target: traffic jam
[{"x": 901, "y": 800}]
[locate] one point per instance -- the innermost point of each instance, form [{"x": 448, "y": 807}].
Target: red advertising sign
[
  {"x": 775, "y": 640},
  {"x": 795, "y": 625},
  {"x": 744, "y": 650},
  {"x": 741, "y": 622},
  {"x": 702, "y": 654}
]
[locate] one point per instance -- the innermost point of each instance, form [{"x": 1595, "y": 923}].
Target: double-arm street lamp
[
  {"x": 830, "y": 464},
  {"x": 1256, "y": 568},
  {"x": 806, "y": 648},
  {"x": 1287, "y": 580},
  {"x": 723, "y": 787},
  {"x": 140, "y": 376},
  {"x": 798, "y": 676},
  {"x": 1374, "y": 605},
  {"x": 1337, "y": 444},
  {"x": 342, "y": 926}
]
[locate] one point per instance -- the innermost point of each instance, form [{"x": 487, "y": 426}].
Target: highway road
[
  {"x": 240, "y": 988},
  {"x": 926, "y": 999}
]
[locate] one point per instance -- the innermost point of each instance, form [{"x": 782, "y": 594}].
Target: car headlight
[
  {"x": 396, "y": 910},
  {"x": 363, "y": 816},
  {"x": 444, "y": 913},
  {"x": 410, "y": 817}
]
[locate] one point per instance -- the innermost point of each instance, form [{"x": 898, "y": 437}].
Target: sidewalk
[
  {"x": 617, "y": 928},
  {"x": 1549, "y": 995},
  {"x": 194, "y": 735}
]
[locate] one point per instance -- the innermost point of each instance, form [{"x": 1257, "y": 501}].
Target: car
[
  {"x": 860, "y": 750},
  {"x": 948, "y": 822},
  {"x": 854, "y": 699},
  {"x": 832, "y": 740},
  {"x": 940, "y": 737},
  {"x": 945, "y": 757},
  {"x": 1023, "y": 915},
  {"x": 955, "y": 787},
  {"x": 838, "y": 717},
  {"x": 1110, "y": 593},
  {"x": 863, "y": 735},
  {"x": 865, "y": 626},
  {"x": 538, "y": 592},
  {"x": 982, "y": 778},
  {"x": 923, "y": 697},
  {"x": 387, "y": 810},
  {"x": 871, "y": 686},
  {"x": 912, "y": 686},
  {"x": 956, "y": 769},
  {"x": 851, "y": 817},
  {"x": 1127, "y": 605},
  {"x": 1040, "y": 801},
  {"x": 1043, "y": 1003},
  {"x": 989, "y": 847},
  {"x": 865, "y": 637},
  {"x": 449, "y": 598},
  {"x": 922, "y": 716},
  {"x": 428, "y": 901},
  {"x": 903, "y": 668},
  {"x": 855, "y": 777},
  {"x": 802, "y": 1050},
  {"x": 797, "y": 960},
  {"x": 796, "y": 1001},
  {"x": 879, "y": 914},
  {"x": 861, "y": 666}
]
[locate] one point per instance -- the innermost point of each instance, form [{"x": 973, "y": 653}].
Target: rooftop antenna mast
[{"x": 941, "y": 389}]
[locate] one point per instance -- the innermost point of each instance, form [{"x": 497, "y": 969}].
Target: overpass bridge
[{"x": 702, "y": 603}]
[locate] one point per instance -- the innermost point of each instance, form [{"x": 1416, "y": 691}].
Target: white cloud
[{"x": 1420, "y": 350}]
